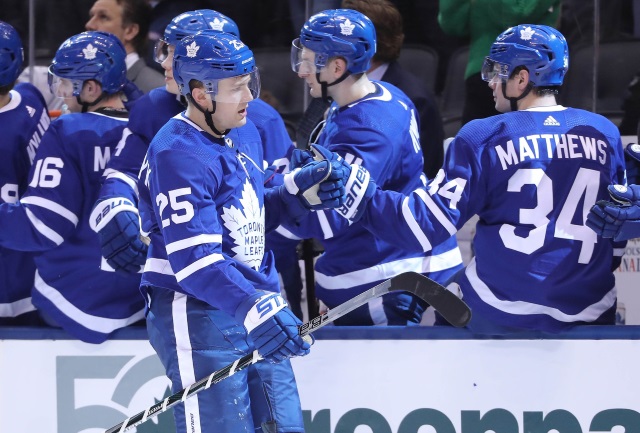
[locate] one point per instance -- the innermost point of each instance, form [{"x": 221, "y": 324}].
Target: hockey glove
[
  {"x": 632, "y": 163},
  {"x": 273, "y": 327},
  {"x": 359, "y": 189},
  {"x": 317, "y": 185},
  {"x": 116, "y": 221},
  {"x": 619, "y": 220}
]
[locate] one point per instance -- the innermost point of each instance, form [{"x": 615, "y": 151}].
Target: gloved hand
[
  {"x": 273, "y": 327},
  {"x": 116, "y": 221},
  {"x": 359, "y": 189},
  {"x": 632, "y": 163},
  {"x": 619, "y": 220},
  {"x": 317, "y": 185}
]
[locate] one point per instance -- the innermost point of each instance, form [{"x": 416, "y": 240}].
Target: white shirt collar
[
  {"x": 131, "y": 59},
  {"x": 378, "y": 72}
]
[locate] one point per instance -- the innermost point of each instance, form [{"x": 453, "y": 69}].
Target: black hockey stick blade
[{"x": 452, "y": 308}]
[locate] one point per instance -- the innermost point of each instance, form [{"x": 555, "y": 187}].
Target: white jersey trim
[
  {"x": 94, "y": 323},
  {"x": 110, "y": 173},
  {"x": 52, "y": 206},
  {"x": 193, "y": 241},
  {"x": 287, "y": 234},
  {"x": 158, "y": 266},
  {"x": 16, "y": 308},
  {"x": 384, "y": 271},
  {"x": 185, "y": 361},
  {"x": 523, "y": 308},
  {"x": 43, "y": 229},
  {"x": 414, "y": 226},
  {"x": 436, "y": 211},
  {"x": 197, "y": 265}
]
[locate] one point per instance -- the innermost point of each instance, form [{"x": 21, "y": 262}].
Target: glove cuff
[
  {"x": 105, "y": 210},
  {"x": 358, "y": 187},
  {"x": 258, "y": 308}
]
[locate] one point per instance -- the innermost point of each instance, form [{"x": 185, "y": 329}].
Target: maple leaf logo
[
  {"x": 192, "y": 50},
  {"x": 217, "y": 24},
  {"x": 89, "y": 52},
  {"x": 346, "y": 28},
  {"x": 526, "y": 33},
  {"x": 246, "y": 227}
]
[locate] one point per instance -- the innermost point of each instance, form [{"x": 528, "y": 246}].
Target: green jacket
[{"x": 484, "y": 20}]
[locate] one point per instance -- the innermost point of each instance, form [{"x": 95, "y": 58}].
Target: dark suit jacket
[
  {"x": 430, "y": 121},
  {"x": 144, "y": 77}
]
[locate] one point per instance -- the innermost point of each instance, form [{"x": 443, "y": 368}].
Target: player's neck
[
  {"x": 4, "y": 99},
  {"x": 536, "y": 101},
  {"x": 112, "y": 102},
  {"x": 352, "y": 89},
  {"x": 197, "y": 117}
]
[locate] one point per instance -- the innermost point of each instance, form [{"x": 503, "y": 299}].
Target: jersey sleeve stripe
[
  {"x": 193, "y": 241},
  {"x": 414, "y": 226},
  {"x": 435, "y": 210},
  {"x": 197, "y": 265},
  {"x": 286, "y": 233},
  {"x": 52, "y": 206},
  {"x": 43, "y": 229},
  {"x": 159, "y": 266},
  {"x": 327, "y": 231},
  {"x": 114, "y": 174}
]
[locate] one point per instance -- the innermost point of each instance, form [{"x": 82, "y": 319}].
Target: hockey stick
[{"x": 452, "y": 308}]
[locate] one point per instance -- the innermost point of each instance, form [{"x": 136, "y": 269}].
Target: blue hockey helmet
[
  {"x": 210, "y": 56},
  {"x": 332, "y": 33},
  {"x": 11, "y": 54},
  {"x": 88, "y": 56},
  {"x": 189, "y": 23},
  {"x": 541, "y": 49}
]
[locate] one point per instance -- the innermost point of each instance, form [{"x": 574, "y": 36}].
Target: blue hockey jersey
[
  {"x": 74, "y": 286},
  {"x": 388, "y": 145},
  {"x": 202, "y": 204},
  {"x": 23, "y": 121},
  {"x": 531, "y": 176}
]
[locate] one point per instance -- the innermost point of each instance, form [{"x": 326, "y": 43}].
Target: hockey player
[
  {"x": 74, "y": 288},
  {"x": 212, "y": 288},
  {"x": 373, "y": 124},
  {"x": 531, "y": 175},
  {"x": 119, "y": 231},
  {"x": 23, "y": 120}
]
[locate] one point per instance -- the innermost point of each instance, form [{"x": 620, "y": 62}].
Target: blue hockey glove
[
  {"x": 116, "y": 221},
  {"x": 632, "y": 163},
  {"x": 359, "y": 189},
  {"x": 273, "y": 327},
  {"x": 317, "y": 185},
  {"x": 619, "y": 220}
]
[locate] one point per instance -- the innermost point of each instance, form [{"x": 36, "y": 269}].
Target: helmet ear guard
[
  {"x": 98, "y": 56},
  {"x": 190, "y": 23},
  {"x": 11, "y": 54},
  {"x": 209, "y": 57},
  {"x": 342, "y": 33},
  {"x": 541, "y": 49}
]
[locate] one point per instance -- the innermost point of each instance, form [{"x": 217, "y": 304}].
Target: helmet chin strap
[
  {"x": 324, "y": 85},
  {"x": 208, "y": 115},
  {"x": 86, "y": 105},
  {"x": 514, "y": 101}
]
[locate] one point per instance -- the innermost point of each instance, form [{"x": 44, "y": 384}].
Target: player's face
[
  {"x": 232, "y": 99},
  {"x": 167, "y": 64},
  {"x": 106, "y": 16},
  {"x": 502, "y": 104},
  {"x": 307, "y": 70}
]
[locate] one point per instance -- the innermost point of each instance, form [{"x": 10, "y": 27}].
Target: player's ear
[
  {"x": 523, "y": 78},
  {"x": 199, "y": 95},
  {"x": 92, "y": 88},
  {"x": 339, "y": 66}
]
